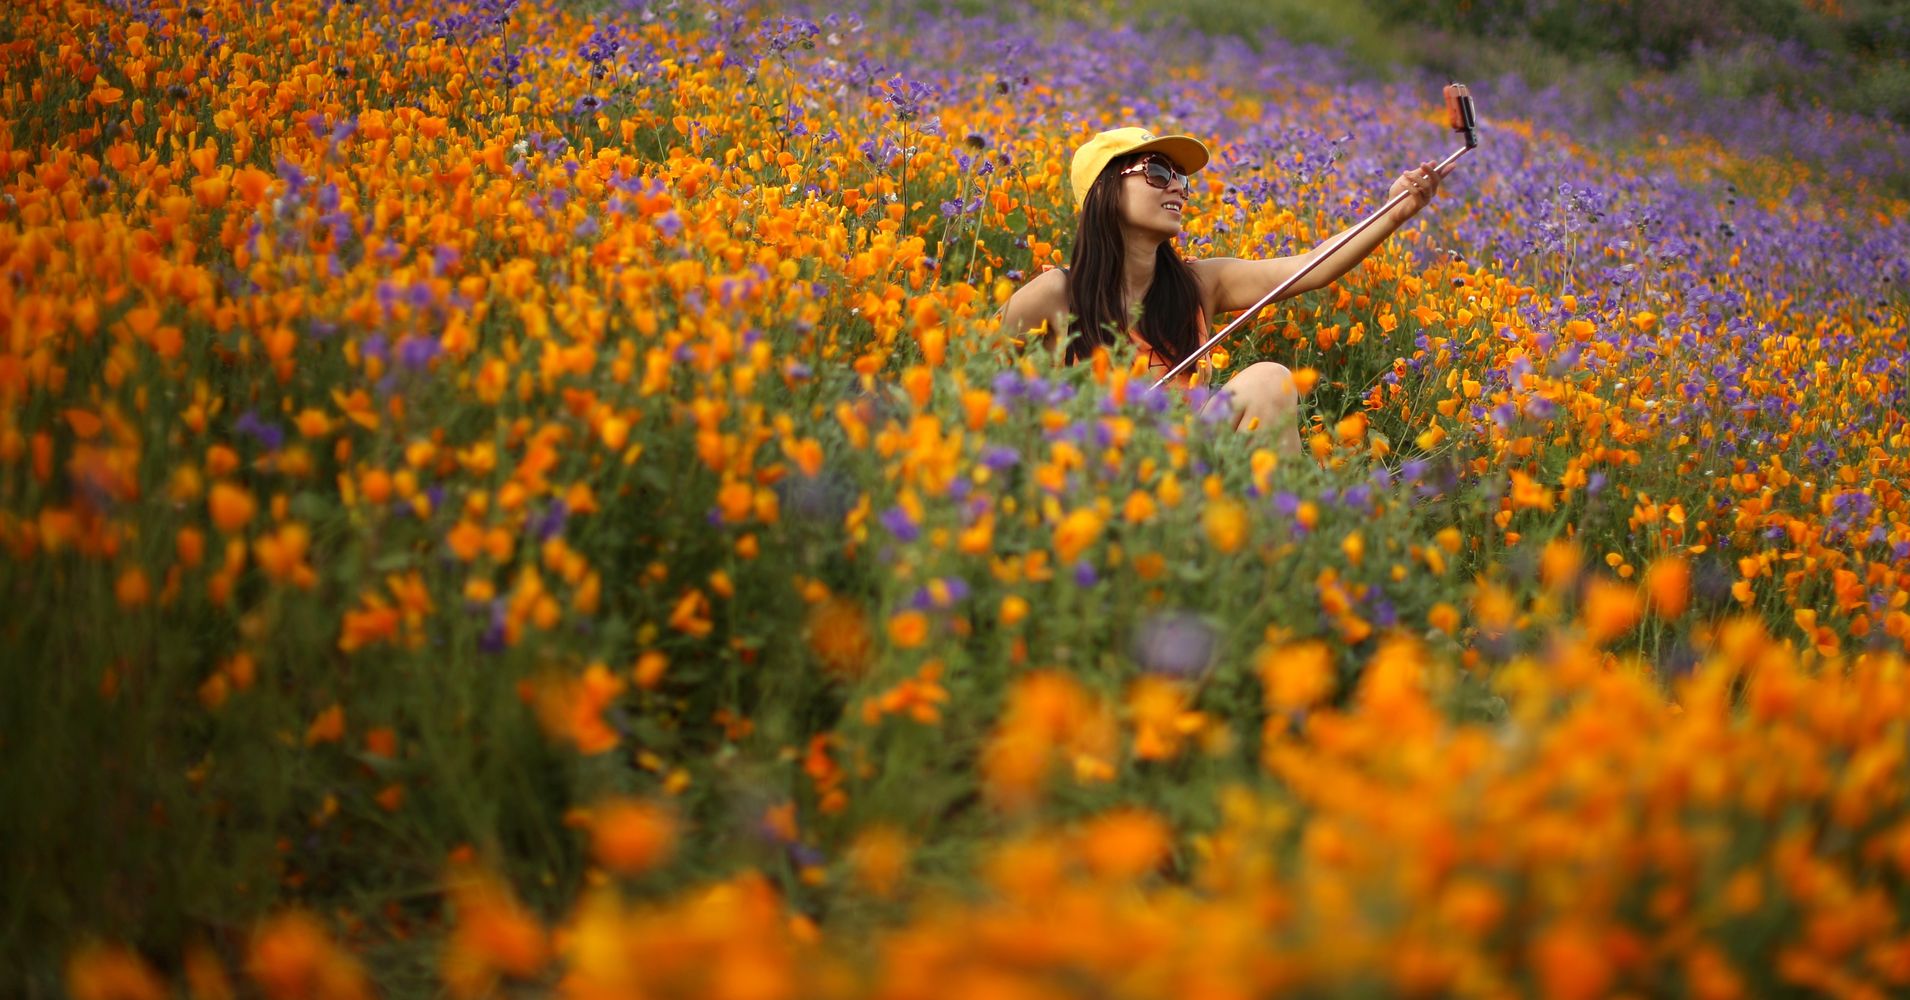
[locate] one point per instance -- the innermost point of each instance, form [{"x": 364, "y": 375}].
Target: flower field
[{"x": 511, "y": 500}]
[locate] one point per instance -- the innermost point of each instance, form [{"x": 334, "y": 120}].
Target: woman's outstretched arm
[{"x": 1240, "y": 283}]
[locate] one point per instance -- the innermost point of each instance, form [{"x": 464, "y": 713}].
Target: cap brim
[{"x": 1187, "y": 152}]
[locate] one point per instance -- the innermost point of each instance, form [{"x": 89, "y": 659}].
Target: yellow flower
[
  {"x": 1668, "y": 582},
  {"x": 650, "y": 669},
  {"x": 691, "y": 616},
  {"x": 1295, "y": 676},
  {"x": 1050, "y": 717},
  {"x": 880, "y": 858},
  {"x": 1529, "y": 493},
  {"x": 1157, "y": 707},
  {"x": 327, "y": 727},
  {"x": 736, "y": 500},
  {"x": 1350, "y": 431},
  {"x": 1075, "y": 533},
  {"x": 630, "y": 836},
  {"x": 908, "y": 629},
  {"x": 281, "y": 555},
  {"x": 1227, "y": 524},
  {"x": 494, "y": 936},
  {"x": 231, "y": 507},
  {"x": 839, "y": 636},
  {"x": 1139, "y": 508},
  {"x": 1125, "y": 844},
  {"x": 614, "y": 432},
  {"x": 132, "y": 589},
  {"x": 111, "y": 972},
  {"x": 1570, "y": 963},
  {"x": 292, "y": 958},
  {"x": 1320, "y": 447},
  {"x": 1559, "y": 564},
  {"x": 313, "y": 423},
  {"x": 1354, "y": 545},
  {"x": 1611, "y": 609},
  {"x": 571, "y": 708}
]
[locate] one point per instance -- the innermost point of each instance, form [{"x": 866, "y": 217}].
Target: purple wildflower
[
  {"x": 416, "y": 353},
  {"x": 1000, "y": 458},
  {"x": 900, "y": 524},
  {"x": 551, "y": 523},
  {"x": 492, "y": 639},
  {"x": 270, "y": 436},
  {"x": 1084, "y": 574},
  {"x": 1175, "y": 643}
]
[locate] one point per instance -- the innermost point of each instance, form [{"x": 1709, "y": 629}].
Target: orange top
[{"x": 1157, "y": 367}]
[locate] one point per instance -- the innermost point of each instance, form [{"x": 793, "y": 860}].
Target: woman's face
[{"x": 1149, "y": 209}]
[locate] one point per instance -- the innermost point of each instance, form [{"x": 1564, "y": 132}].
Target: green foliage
[
  {"x": 1850, "y": 60},
  {"x": 1355, "y": 28}
]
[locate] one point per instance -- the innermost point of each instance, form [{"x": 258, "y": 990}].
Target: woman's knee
[{"x": 1268, "y": 381}]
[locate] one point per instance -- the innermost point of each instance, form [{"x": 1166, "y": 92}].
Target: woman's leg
[{"x": 1262, "y": 398}]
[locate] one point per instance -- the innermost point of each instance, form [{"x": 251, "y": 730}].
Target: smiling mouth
[{"x": 1172, "y": 206}]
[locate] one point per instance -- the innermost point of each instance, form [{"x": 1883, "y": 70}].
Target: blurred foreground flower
[
  {"x": 571, "y": 708},
  {"x": 493, "y": 936},
  {"x": 630, "y": 836},
  {"x": 880, "y": 858},
  {"x": 112, "y": 972},
  {"x": 1175, "y": 643},
  {"x": 1051, "y": 720},
  {"x": 1125, "y": 844},
  {"x": 293, "y": 958},
  {"x": 838, "y": 633}
]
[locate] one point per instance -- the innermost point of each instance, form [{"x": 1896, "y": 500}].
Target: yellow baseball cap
[{"x": 1188, "y": 153}]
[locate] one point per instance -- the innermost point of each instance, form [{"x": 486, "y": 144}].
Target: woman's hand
[{"x": 1420, "y": 183}]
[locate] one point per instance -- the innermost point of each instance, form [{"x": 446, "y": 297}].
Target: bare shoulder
[
  {"x": 1045, "y": 292},
  {"x": 1044, "y": 299}
]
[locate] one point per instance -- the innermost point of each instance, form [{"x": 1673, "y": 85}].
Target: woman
[{"x": 1132, "y": 189}]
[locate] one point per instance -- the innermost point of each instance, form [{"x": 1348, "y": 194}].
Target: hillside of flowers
[{"x": 506, "y": 499}]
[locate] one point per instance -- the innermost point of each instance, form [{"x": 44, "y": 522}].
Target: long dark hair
[{"x": 1098, "y": 269}]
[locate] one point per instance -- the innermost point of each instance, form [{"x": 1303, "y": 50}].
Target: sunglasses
[{"x": 1161, "y": 174}]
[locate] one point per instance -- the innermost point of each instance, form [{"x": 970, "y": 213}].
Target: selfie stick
[{"x": 1459, "y": 115}]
